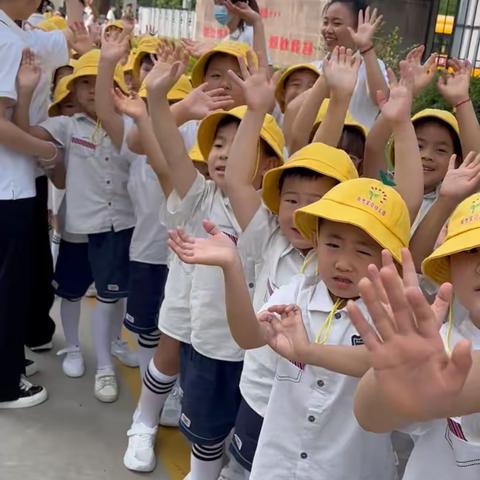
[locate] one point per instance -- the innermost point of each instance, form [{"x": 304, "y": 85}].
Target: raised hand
[
  {"x": 367, "y": 26},
  {"x": 454, "y": 87},
  {"x": 422, "y": 74},
  {"x": 244, "y": 11},
  {"x": 417, "y": 377},
  {"x": 201, "y": 102},
  {"x": 81, "y": 40},
  {"x": 340, "y": 71},
  {"x": 216, "y": 250},
  {"x": 114, "y": 47},
  {"x": 459, "y": 183},
  {"x": 28, "y": 74},
  {"x": 195, "y": 48},
  {"x": 131, "y": 105}
]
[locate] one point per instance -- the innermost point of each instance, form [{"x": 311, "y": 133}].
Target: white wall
[{"x": 167, "y": 22}]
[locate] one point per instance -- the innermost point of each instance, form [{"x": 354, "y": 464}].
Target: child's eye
[
  {"x": 474, "y": 251},
  {"x": 291, "y": 200},
  {"x": 332, "y": 245},
  {"x": 363, "y": 252}
]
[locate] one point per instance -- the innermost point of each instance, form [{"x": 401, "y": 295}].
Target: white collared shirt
[
  {"x": 310, "y": 430},
  {"x": 97, "y": 176},
  {"x": 210, "y": 332},
  {"x": 276, "y": 263}
]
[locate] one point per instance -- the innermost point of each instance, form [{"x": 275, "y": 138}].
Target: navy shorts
[
  {"x": 211, "y": 396},
  {"x": 108, "y": 253},
  {"x": 146, "y": 287},
  {"x": 73, "y": 274},
  {"x": 245, "y": 438}
]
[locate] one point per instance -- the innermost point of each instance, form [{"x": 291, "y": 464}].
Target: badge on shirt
[
  {"x": 84, "y": 143},
  {"x": 357, "y": 340}
]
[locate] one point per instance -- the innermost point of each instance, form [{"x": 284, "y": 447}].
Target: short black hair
[
  {"x": 353, "y": 5},
  {"x": 298, "y": 172},
  {"x": 225, "y": 121}
]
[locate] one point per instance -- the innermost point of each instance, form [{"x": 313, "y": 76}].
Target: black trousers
[
  {"x": 16, "y": 230},
  {"x": 40, "y": 326}
]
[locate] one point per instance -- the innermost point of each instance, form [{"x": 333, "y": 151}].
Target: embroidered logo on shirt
[
  {"x": 357, "y": 340},
  {"x": 185, "y": 420},
  {"x": 84, "y": 143}
]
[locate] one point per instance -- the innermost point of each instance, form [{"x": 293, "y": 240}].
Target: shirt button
[
  {"x": 338, "y": 315},
  {"x": 109, "y": 204},
  {"x": 311, "y": 418},
  {"x": 107, "y": 159},
  {"x": 251, "y": 285},
  {"x": 303, "y": 455},
  {"x": 320, "y": 383},
  {"x": 108, "y": 182}
]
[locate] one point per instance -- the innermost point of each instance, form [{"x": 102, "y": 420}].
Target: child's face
[
  {"x": 63, "y": 72},
  {"x": 352, "y": 143},
  {"x": 298, "y": 192},
  {"x": 128, "y": 76},
  {"x": 337, "y": 17},
  {"x": 85, "y": 94},
  {"x": 216, "y": 76},
  {"x": 68, "y": 106},
  {"x": 218, "y": 157},
  {"x": 112, "y": 32},
  {"x": 145, "y": 67},
  {"x": 297, "y": 83},
  {"x": 465, "y": 277},
  {"x": 344, "y": 254},
  {"x": 436, "y": 148}
]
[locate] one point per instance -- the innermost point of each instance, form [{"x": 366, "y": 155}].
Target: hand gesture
[
  {"x": 81, "y": 41},
  {"x": 367, "y": 25},
  {"x": 151, "y": 31},
  {"x": 216, "y": 250},
  {"x": 28, "y": 74},
  {"x": 340, "y": 71},
  {"x": 131, "y": 105},
  {"x": 459, "y": 183},
  {"x": 454, "y": 87},
  {"x": 114, "y": 47},
  {"x": 258, "y": 89},
  {"x": 399, "y": 105},
  {"x": 201, "y": 102},
  {"x": 416, "y": 375},
  {"x": 195, "y": 48},
  {"x": 244, "y": 11},
  {"x": 422, "y": 74},
  {"x": 284, "y": 331}
]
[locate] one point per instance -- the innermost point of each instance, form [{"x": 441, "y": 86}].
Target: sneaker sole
[
  {"x": 106, "y": 399},
  {"x": 127, "y": 364},
  {"x": 74, "y": 375},
  {"x": 139, "y": 468},
  {"x": 26, "y": 402}
]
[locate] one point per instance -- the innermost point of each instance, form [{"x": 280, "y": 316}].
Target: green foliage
[
  {"x": 448, "y": 7},
  {"x": 389, "y": 47}
]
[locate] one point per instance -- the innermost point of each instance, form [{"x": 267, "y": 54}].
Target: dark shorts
[
  {"x": 211, "y": 396},
  {"x": 145, "y": 295},
  {"x": 245, "y": 438},
  {"x": 73, "y": 274},
  {"x": 108, "y": 253}
]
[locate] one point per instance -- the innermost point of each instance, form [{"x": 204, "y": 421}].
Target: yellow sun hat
[
  {"x": 433, "y": 113},
  {"x": 318, "y": 157},
  {"x": 60, "y": 93},
  {"x": 234, "y": 49},
  {"x": 87, "y": 65},
  {"x": 463, "y": 234},
  {"x": 270, "y": 132},
  {"x": 128, "y": 67},
  {"x": 279, "y": 89},
  {"x": 146, "y": 46},
  {"x": 196, "y": 155},
  {"x": 368, "y": 204},
  {"x": 116, "y": 24},
  {"x": 178, "y": 92},
  {"x": 53, "y": 23}
]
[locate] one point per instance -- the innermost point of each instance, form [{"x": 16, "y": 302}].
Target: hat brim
[{"x": 92, "y": 71}]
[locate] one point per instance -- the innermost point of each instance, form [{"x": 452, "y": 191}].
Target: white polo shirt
[
  {"x": 210, "y": 332},
  {"x": 276, "y": 263},
  {"x": 310, "y": 430},
  {"x": 97, "y": 176}
]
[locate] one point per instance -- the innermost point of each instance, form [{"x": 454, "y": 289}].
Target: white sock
[
  {"x": 155, "y": 389},
  {"x": 206, "y": 461},
  {"x": 70, "y": 315},
  {"x": 118, "y": 317},
  {"x": 55, "y": 245},
  {"x": 102, "y": 320},
  {"x": 147, "y": 343}
]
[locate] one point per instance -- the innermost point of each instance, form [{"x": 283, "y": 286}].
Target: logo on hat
[
  {"x": 376, "y": 200},
  {"x": 474, "y": 213}
]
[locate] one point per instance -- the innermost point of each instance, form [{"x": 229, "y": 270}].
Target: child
[
  {"x": 142, "y": 62},
  {"x": 309, "y": 406}
]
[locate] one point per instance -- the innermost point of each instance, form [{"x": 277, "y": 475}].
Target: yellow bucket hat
[
  {"x": 52, "y": 23},
  {"x": 87, "y": 65},
  {"x": 368, "y": 204},
  {"x": 442, "y": 115},
  {"x": 234, "y": 49},
  {"x": 128, "y": 67},
  {"x": 60, "y": 93},
  {"x": 270, "y": 132},
  {"x": 463, "y": 234},
  {"x": 178, "y": 92},
  {"x": 146, "y": 46},
  {"x": 195, "y": 154},
  {"x": 317, "y": 157},
  {"x": 284, "y": 77},
  {"x": 117, "y": 24}
]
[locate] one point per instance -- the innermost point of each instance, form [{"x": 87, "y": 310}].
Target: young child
[{"x": 310, "y": 405}]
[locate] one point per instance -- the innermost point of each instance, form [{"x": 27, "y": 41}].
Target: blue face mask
[{"x": 221, "y": 14}]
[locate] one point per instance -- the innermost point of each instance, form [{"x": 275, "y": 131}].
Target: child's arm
[
  {"x": 412, "y": 377},
  {"x": 458, "y": 184},
  {"x": 243, "y": 156},
  {"x": 159, "y": 81},
  {"x": 135, "y": 108},
  {"x": 454, "y": 88},
  {"x": 76, "y": 34},
  {"x": 113, "y": 49},
  {"x": 341, "y": 74},
  {"x": 219, "y": 250},
  {"x": 363, "y": 38}
]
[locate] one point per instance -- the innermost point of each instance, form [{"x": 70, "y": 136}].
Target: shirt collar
[
  {"x": 7, "y": 21},
  {"x": 320, "y": 300}
]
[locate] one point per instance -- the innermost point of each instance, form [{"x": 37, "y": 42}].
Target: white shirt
[
  {"x": 210, "y": 332},
  {"x": 361, "y": 106},
  {"x": 310, "y": 430},
  {"x": 276, "y": 263},
  {"x": 448, "y": 449},
  {"x": 97, "y": 176},
  {"x": 188, "y": 131},
  {"x": 111, "y": 15},
  {"x": 245, "y": 36}
]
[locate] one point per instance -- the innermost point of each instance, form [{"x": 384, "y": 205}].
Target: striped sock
[
  {"x": 147, "y": 342},
  {"x": 155, "y": 390},
  {"x": 206, "y": 461}
]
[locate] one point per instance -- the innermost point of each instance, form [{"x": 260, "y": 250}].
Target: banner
[{"x": 292, "y": 28}]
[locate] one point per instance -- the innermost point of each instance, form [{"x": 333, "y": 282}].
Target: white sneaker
[
  {"x": 91, "y": 292},
  {"x": 233, "y": 471},
  {"x": 73, "y": 364},
  {"x": 140, "y": 454},
  {"x": 106, "y": 388},
  {"x": 124, "y": 354},
  {"x": 31, "y": 368},
  {"x": 172, "y": 409},
  {"x": 30, "y": 395}
]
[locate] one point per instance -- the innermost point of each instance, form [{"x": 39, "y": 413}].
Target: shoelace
[
  {"x": 25, "y": 384},
  {"x": 107, "y": 380},
  {"x": 68, "y": 350}
]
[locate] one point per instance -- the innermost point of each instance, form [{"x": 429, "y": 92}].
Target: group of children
[{"x": 252, "y": 229}]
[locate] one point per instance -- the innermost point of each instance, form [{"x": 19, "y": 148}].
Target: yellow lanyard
[
  {"x": 310, "y": 256},
  {"x": 98, "y": 128},
  {"x": 326, "y": 327}
]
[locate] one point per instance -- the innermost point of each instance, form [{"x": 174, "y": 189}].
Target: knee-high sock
[
  {"x": 70, "y": 314},
  {"x": 118, "y": 317},
  {"x": 102, "y": 319},
  {"x": 206, "y": 461},
  {"x": 147, "y": 342}
]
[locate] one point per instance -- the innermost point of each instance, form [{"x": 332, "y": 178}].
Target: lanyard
[{"x": 326, "y": 327}]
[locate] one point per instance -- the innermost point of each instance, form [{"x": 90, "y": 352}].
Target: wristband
[
  {"x": 54, "y": 155},
  {"x": 463, "y": 102},
  {"x": 363, "y": 52}
]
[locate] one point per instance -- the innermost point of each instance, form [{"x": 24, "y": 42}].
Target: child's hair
[
  {"x": 146, "y": 59},
  {"x": 353, "y": 5},
  {"x": 298, "y": 172},
  {"x": 253, "y": 5},
  {"x": 225, "y": 121},
  {"x": 457, "y": 146},
  {"x": 267, "y": 150}
]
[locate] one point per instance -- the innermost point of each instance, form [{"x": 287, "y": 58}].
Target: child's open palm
[
  {"x": 29, "y": 73},
  {"x": 131, "y": 105},
  {"x": 454, "y": 87},
  {"x": 461, "y": 182},
  {"x": 367, "y": 26},
  {"x": 201, "y": 102},
  {"x": 243, "y": 10},
  {"x": 340, "y": 70},
  {"x": 422, "y": 73},
  {"x": 114, "y": 47}
]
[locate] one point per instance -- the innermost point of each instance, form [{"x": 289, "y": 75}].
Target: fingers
[
  {"x": 370, "y": 338},
  {"x": 442, "y": 303},
  {"x": 374, "y": 276},
  {"x": 243, "y": 67},
  {"x": 458, "y": 368},
  {"x": 452, "y": 161},
  {"x": 410, "y": 278},
  {"x": 392, "y": 79},
  {"x": 210, "y": 227},
  {"x": 381, "y": 98}
]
